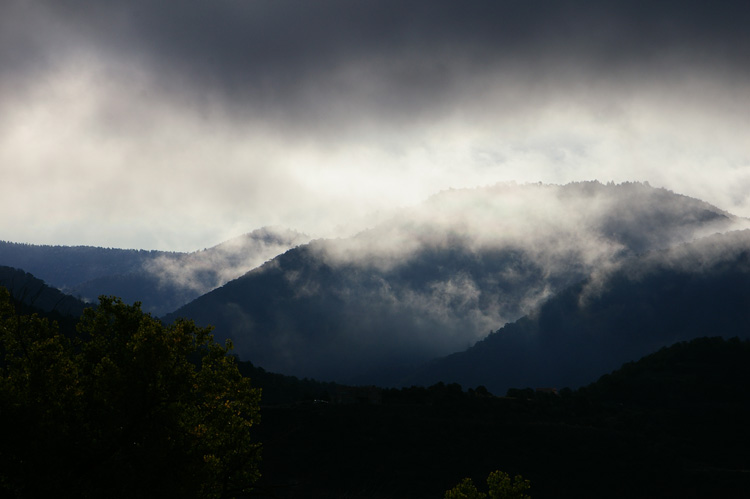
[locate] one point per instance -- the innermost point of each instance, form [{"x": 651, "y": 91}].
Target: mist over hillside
[
  {"x": 161, "y": 281},
  {"x": 441, "y": 275},
  {"x": 617, "y": 315},
  {"x": 169, "y": 280}
]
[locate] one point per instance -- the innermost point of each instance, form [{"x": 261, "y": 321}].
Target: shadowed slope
[{"x": 621, "y": 314}]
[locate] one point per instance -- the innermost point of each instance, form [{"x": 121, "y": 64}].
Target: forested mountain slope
[
  {"x": 440, "y": 276},
  {"x": 617, "y": 315}
]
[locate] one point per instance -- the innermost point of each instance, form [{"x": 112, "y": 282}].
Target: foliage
[
  {"x": 465, "y": 490},
  {"x": 500, "y": 484},
  {"x": 128, "y": 408},
  {"x": 503, "y": 487}
]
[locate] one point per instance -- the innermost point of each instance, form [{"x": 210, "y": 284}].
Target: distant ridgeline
[
  {"x": 66, "y": 267},
  {"x": 162, "y": 281}
]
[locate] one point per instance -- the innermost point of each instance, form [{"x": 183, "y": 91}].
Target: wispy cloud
[{"x": 199, "y": 272}]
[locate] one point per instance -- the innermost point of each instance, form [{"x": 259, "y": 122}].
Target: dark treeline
[{"x": 672, "y": 424}]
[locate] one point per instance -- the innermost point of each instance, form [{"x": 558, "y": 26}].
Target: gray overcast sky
[{"x": 176, "y": 125}]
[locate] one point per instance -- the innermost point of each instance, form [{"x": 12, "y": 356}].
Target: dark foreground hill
[
  {"x": 617, "y": 315},
  {"x": 440, "y": 276},
  {"x": 672, "y": 425},
  {"x": 31, "y": 293}
]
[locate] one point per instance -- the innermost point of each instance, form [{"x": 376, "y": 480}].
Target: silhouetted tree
[{"x": 129, "y": 408}]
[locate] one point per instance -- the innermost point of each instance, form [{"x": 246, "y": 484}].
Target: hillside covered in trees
[
  {"x": 441, "y": 275},
  {"x": 669, "y": 425},
  {"x": 635, "y": 270},
  {"x": 618, "y": 314}
]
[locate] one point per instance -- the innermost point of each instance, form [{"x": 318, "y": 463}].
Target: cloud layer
[{"x": 146, "y": 124}]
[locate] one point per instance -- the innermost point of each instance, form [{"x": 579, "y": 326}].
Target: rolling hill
[{"x": 440, "y": 276}]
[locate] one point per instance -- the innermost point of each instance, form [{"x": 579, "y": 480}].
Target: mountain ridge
[{"x": 440, "y": 276}]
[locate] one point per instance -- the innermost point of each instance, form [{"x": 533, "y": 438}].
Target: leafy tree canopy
[
  {"x": 127, "y": 408},
  {"x": 500, "y": 484}
]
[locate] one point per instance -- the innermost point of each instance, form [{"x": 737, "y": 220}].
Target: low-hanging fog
[{"x": 440, "y": 276}]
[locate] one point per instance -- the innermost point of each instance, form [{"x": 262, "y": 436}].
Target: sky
[{"x": 178, "y": 125}]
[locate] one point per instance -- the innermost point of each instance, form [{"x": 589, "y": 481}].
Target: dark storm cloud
[{"x": 298, "y": 58}]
